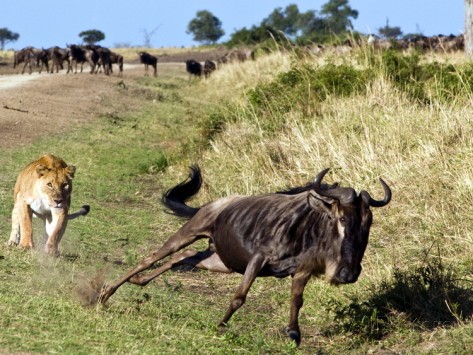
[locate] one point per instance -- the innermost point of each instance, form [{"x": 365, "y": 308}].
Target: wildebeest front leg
[
  {"x": 178, "y": 241},
  {"x": 252, "y": 269},
  {"x": 298, "y": 284},
  {"x": 206, "y": 260}
]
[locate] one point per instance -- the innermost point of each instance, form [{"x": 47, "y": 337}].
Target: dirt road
[{"x": 35, "y": 105}]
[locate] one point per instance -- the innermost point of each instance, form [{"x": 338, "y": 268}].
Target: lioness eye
[
  {"x": 50, "y": 185},
  {"x": 65, "y": 185}
]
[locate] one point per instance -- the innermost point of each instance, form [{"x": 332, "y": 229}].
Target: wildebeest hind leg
[
  {"x": 206, "y": 260},
  {"x": 177, "y": 242}
]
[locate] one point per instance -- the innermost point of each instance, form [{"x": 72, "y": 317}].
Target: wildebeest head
[{"x": 349, "y": 223}]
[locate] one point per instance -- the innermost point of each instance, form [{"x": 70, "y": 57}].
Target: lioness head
[{"x": 56, "y": 184}]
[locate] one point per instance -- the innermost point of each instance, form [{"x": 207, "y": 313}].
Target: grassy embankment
[{"x": 253, "y": 130}]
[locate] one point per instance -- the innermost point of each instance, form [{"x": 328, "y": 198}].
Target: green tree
[
  {"x": 286, "y": 20},
  {"x": 255, "y": 35},
  {"x": 337, "y": 14},
  {"x": 92, "y": 36},
  {"x": 294, "y": 23},
  {"x": 7, "y": 36},
  {"x": 205, "y": 27},
  {"x": 389, "y": 32}
]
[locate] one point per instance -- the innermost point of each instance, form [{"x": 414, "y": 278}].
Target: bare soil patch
[{"x": 35, "y": 105}]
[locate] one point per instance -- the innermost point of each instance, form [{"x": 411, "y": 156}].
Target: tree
[
  {"x": 389, "y": 32},
  {"x": 7, "y": 36},
  {"x": 255, "y": 35},
  {"x": 205, "y": 27},
  {"x": 294, "y": 23},
  {"x": 469, "y": 27},
  {"x": 337, "y": 14},
  {"x": 285, "y": 21},
  {"x": 147, "y": 36},
  {"x": 92, "y": 36}
]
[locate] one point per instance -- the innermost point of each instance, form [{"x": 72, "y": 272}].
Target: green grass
[{"x": 414, "y": 295}]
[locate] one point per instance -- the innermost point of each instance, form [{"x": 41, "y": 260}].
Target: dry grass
[
  {"x": 423, "y": 151},
  {"x": 420, "y": 247}
]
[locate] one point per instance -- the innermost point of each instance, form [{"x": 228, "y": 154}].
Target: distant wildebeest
[
  {"x": 25, "y": 55},
  {"x": 313, "y": 230},
  {"x": 209, "y": 67},
  {"x": 117, "y": 59},
  {"x": 449, "y": 43},
  {"x": 104, "y": 59},
  {"x": 58, "y": 57},
  {"x": 42, "y": 59},
  {"x": 80, "y": 54},
  {"x": 101, "y": 57},
  {"x": 238, "y": 54},
  {"x": 148, "y": 59},
  {"x": 193, "y": 67}
]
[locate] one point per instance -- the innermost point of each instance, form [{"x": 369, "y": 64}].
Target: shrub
[
  {"x": 302, "y": 88},
  {"x": 428, "y": 296}
]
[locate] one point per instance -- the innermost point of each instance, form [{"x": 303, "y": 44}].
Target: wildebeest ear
[
  {"x": 41, "y": 170},
  {"x": 70, "y": 170},
  {"x": 320, "y": 203}
]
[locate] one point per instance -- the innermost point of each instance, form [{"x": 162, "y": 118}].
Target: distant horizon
[{"x": 126, "y": 24}]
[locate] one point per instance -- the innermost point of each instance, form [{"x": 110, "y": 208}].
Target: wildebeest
[
  {"x": 25, "y": 55},
  {"x": 79, "y": 54},
  {"x": 193, "y": 67},
  {"x": 148, "y": 59},
  {"x": 312, "y": 230},
  {"x": 101, "y": 57},
  {"x": 42, "y": 59},
  {"x": 209, "y": 67},
  {"x": 238, "y": 54},
  {"x": 58, "y": 57},
  {"x": 117, "y": 59}
]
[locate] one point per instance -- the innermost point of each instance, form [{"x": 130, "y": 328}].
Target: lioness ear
[
  {"x": 70, "y": 170},
  {"x": 41, "y": 170},
  {"x": 320, "y": 203}
]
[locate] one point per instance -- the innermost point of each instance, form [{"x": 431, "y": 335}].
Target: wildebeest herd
[
  {"x": 440, "y": 44},
  {"x": 55, "y": 59},
  {"x": 102, "y": 58}
]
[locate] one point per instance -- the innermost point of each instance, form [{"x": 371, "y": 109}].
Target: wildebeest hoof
[
  {"x": 222, "y": 325},
  {"x": 293, "y": 334},
  {"x": 104, "y": 294}
]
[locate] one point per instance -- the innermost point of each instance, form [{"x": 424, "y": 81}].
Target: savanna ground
[{"x": 133, "y": 137}]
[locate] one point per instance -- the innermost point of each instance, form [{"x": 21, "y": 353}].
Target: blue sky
[{"x": 54, "y": 22}]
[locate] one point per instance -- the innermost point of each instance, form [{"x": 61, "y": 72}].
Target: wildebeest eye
[
  {"x": 342, "y": 219},
  {"x": 65, "y": 186}
]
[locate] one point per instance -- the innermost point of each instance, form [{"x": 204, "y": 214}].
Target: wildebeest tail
[{"x": 176, "y": 197}]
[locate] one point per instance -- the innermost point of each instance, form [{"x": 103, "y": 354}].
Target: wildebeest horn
[
  {"x": 345, "y": 195},
  {"x": 319, "y": 177},
  {"x": 375, "y": 203}
]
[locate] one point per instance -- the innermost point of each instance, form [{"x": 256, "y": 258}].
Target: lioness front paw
[{"x": 52, "y": 251}]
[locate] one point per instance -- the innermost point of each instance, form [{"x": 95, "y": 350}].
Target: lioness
[{"x": 43, "y": 189}]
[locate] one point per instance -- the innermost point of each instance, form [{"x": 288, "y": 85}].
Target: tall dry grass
[{"x": 423, "y": 150}]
